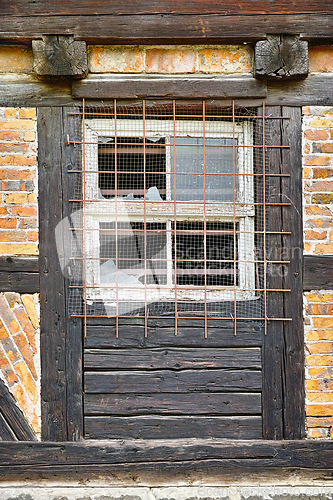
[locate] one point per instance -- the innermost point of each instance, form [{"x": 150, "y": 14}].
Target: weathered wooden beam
[
  {"x": 13, "y": 425},
  {"x": 60, "y": 55},
  {"x": 170, "y": 454},
  {"x": 19, "y": 275},
  {"x": 124, "y": 86},
  {"x": 318, "y": 272},
  {"x": 167, "y": 28},
  {"x": 281, "y": 57}
]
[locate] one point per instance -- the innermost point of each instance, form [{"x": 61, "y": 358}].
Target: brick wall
[
  {"x": 318, "y": 236},
  {"x": 19, "y": 353},
  {"x": 18, "y": 175}
]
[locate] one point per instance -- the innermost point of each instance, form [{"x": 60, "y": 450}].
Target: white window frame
[{"x": 98, "y": 210}]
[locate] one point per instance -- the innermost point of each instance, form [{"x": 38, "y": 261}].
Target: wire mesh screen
[{"x": 169, "y": 212}]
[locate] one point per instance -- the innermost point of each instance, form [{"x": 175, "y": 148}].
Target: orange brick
[
  {"x": 324, "y": 147},
  {"x": 320, "y": 198},
  {"x": 7, "y": 316},
  {"x": 15, "y": 59},
  {"x": 3, "y": 331},
  {"x": 170, "y": 61},
  {"x": 18, "y": 249},
  {"x": 317, "y": 309},
  {"x": 26, "y": 352},
  {"x": 321, "y": 59},
  {"x": 7, "y": 369},
  {"x": 27, "y": 112},
  {"x": 319, "y": 335},
  {"x": 324, "y": 248},
  {"x": 319, "y": 297},
  {"x": 30, "y": 308},
  {"x": 325, "y": 385},
  {"x": 27, "y": 381},
  {"x": 32, "y": 198},
  {"x": 306, "y": 150},
  {"x": 318, "y": 373},
  {"x": 322, "y": 173},
  {"x": 307, "y": 173},
  {"x": 317, "y": 360},
  {"x": 317, "y": 160},
  {"x": 322, "y": 322},
  {"x": 307, "y": 247},
  {"x": 106, "y": 59},
  {"x": 13, "y": 148},
  {"x": 321, "y": 186},
  {"x": 319, "y": 433},
  {"x": 33, "y": 236},
  {"x": 323, "y": 410},
  {"x": 320, "y": 347},
  {"x": 30, "y": 136},
  {"x": 320, "y": 397},
  {"x": 26, "y": 326},
  {"x": 10, "y": 112},
  {"x": 314, "y": 235},
  {"x": 18, "y": 160},
  {"x": 320, "y": 222},
  {"x": 224, "y": 60},
  {"x": 311, "y": 385},
  {"x": 322, "y": 122},
  {"x": 316, "y": 135},
  {"x": 18, "y": 124},
  {"x": 319, "y": 422},
  {"x": 24, "y": 211},
  {"x": 3, "y": 211},
  {"x": 14, "y": 174},
  {"x": 12, "y": 235},
  {"x": 10, "y": 135},
  {"x": 8, "y": 223}
]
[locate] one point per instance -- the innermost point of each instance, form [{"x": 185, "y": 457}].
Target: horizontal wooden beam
[
  {"x": 172, "y": 455},
  {"x": 128, "y": 87},
  {"x": 318, "y": 272},
  {"x": 167, "y": 28},
  {"x": 19, "y": 275},
  {"x": 119, "y": 7}
]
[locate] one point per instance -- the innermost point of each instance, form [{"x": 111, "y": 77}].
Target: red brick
[
  {"x": 316, "y": 135},
  {"x": 8, "y": 223},
  {"x": 24, "y": 211}
]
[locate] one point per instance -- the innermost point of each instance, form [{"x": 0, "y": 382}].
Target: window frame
[{"x": 98, "y": 211}]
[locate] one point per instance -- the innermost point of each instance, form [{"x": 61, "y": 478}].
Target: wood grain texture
[
  {"x": 52, "y": 287},
  {"x": 19, "y": 275},
  {"x": 170, "y": 456},
  {"x": 281, "y": 57},
  {"x": 174, "y": 404},
  {"x": 13, "y": 424},
  {"x": 171, "y": 427},
  {"x": 168, "y": 28},
  {"x": 117, "y": 7},
  {"x": 172, "y": 358},
  {"x": 101, "y": 333},
  {"x": 125, "y": 382},
  {"x": 125, "y": 86},
  {"x": 60, "y": 55},
  {"x": 318, "y": 272}
]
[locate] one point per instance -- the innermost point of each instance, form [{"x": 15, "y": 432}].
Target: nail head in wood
[
  {"x": 60, "y": 55},
  {"x": 281, "y": 57}
]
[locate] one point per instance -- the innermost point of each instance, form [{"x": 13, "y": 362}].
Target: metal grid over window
[{"x": 171, "y": 206}]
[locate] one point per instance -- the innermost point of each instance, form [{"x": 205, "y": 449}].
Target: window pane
[
  {"x": 220, "y": 253},
  {"x": 128, "y": 247},
  {"x": 190, "y": 159}
]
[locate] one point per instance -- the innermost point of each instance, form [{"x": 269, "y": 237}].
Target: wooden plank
[
  {"x": 156, "y": 427},
  {"x": 117, "y": 7},
  {"x": 89, "y": 455},
  {"x": 123, "y": 86},
  {"x": 145, "y": 382},
  {"x": 313, "y": 91},
  {"x": 172, "y": 358},
  {"x": 174, "y": 403},
  {"x": 6, "y": 434},
  {"x": 19, "y": 275},
  {"x": 293, "y": 354},
  {"x": 161, "y": 333},
  {"x": 52, "y": 287},
  {"x": 28, "y": 91},
  {"x": 318, "y": 272},
  {"x": 272, "y": 349},
  {"x": 74, "y": 333},
  {"x": 11, "y": 415},
  {"x": 172, "y": 28}
]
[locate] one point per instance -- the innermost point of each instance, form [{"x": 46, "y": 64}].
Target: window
[{"x": 170, "y": 209}]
